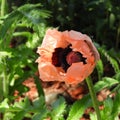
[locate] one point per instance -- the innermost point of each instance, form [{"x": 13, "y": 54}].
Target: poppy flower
[{"x": 68, "y": 56}]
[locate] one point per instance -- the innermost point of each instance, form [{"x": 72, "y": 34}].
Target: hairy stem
[
  {"x": 5, "y": 80},
  {"x": 93, "y": 97}
]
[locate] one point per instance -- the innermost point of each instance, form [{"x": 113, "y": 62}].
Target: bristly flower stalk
[{"x": 93, "y": 97}]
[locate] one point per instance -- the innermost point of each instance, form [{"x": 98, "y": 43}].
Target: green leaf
[
  {"x": 107, "y": 111},
  {"x": 9, "y": 116},
  {"x": 11, "y": 18},
  {"x": 93, "y": 116},
  {"x": 39, "y": 87},
  {"x": 99, "y": 67},
  {"x": 33, "y": 43},
  {"x": 22, "y": 105},
  {"x": 116, "y": 105},
  {"x": 5, "y": 53},
  {"x": 58, "y": 109},
  {"x": 27, "y": 12},
  {"x": 117, "y": 76},
  {"x": 112, "y": 61},
  {"x": 39, "y": 108},
  {"x": 40, "y": 115},
  {"x": 106, "y": 82},
  {"x": 19, "y": 115},
  {"x": 111, "y": 20},
  {"x": 4, "y": 105},
  {"x": 39, "y": 104},
  {"x": 79, "y": 107}
]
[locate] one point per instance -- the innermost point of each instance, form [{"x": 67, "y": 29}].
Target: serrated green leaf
[
  {"x": 79, "y": 107},
  {"x": 22, "y": 105},
  {"x": 39, "y": 103},
  {"x": 93, "y": 116},
  {"x": 5, "y": 53},
  {"x": 33, "y": 43},
  {"x": 9, "y": 116},
  {"x": 39, "y": 108},
  {"x": 112, "y": 61},
  {"x": 4, "y": 105},
  {"x": 106, "y": 112},
  {"x": 58, "y": 109},
  {"x": 40, "y": 115},
  {"x": 33, "y": 14},
  {"x": 28, "y": 12},
  {"x": 117, "y": 76},
  {"x": 12, "y": 17},
  {"x": 106, "y": 82},
  {"x": 116, "y": 105},
  {"x": 99, "y": 67},
  {"x": 19, "y": 115}
]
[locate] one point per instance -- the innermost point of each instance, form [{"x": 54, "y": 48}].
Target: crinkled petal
[
  {"x": 77, "y": 72},
  {"x": 82, "y": 43},
  {"x": 48, "y": 72},
  {"x": 45, "y": 55},
  {"x": 53, "y": 39}
]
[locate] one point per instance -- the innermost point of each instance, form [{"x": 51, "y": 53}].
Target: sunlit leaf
[
  {"x": 41, "y": 115},
  {"x": 58, "y": 109},
  {"x": 106, "y": 112},
  {"x": 106, "y": 82},
  {"x": 79, "y": 107},
  {"x": 19, "y": 115},
  {"x": 28, "y": 12},
  {"x": 100, "y": 68},
  {"x": 116, "y": 105},
  {"x": 4, "y": 105},
  {"x": 93, "y": 116}
]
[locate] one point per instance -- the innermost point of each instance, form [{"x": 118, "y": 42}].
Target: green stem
[
  {"x": 3, "y": 5},
  {"x": 118, "y": 36},
  {"x": 93, "y": 97},
  {"x": 5, "y": 81}
]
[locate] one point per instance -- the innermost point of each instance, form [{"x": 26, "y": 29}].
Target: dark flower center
[{"x": 64, "y": 57}]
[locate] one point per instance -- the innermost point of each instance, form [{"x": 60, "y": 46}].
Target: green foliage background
[
  {"x": 98, "y": 18},
  {"x": 22, "y": 27}
]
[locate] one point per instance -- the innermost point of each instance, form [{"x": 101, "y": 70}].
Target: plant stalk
[
  {"x": 93, "y": 97},
  {"x": 3, "y": 7},
  {"x": 5, "y": 80}
]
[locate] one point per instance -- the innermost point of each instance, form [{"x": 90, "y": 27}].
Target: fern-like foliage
[
  {"x": 79, "y": 107},
  {"x": 112, "y": 61},
  {"x": 25, "y": 25},
  {"x": 100, "y": 69},
  {"x": 28, "y": 14},
  {"x": 58, "y": 109}
]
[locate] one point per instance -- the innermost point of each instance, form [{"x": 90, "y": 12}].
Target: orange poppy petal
[
  {"x": 76, "y": 72},
  {"x": 82, "y": 43},
  {"x": 53, "y": 39},
  {"x": 48, "y": 72}
]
